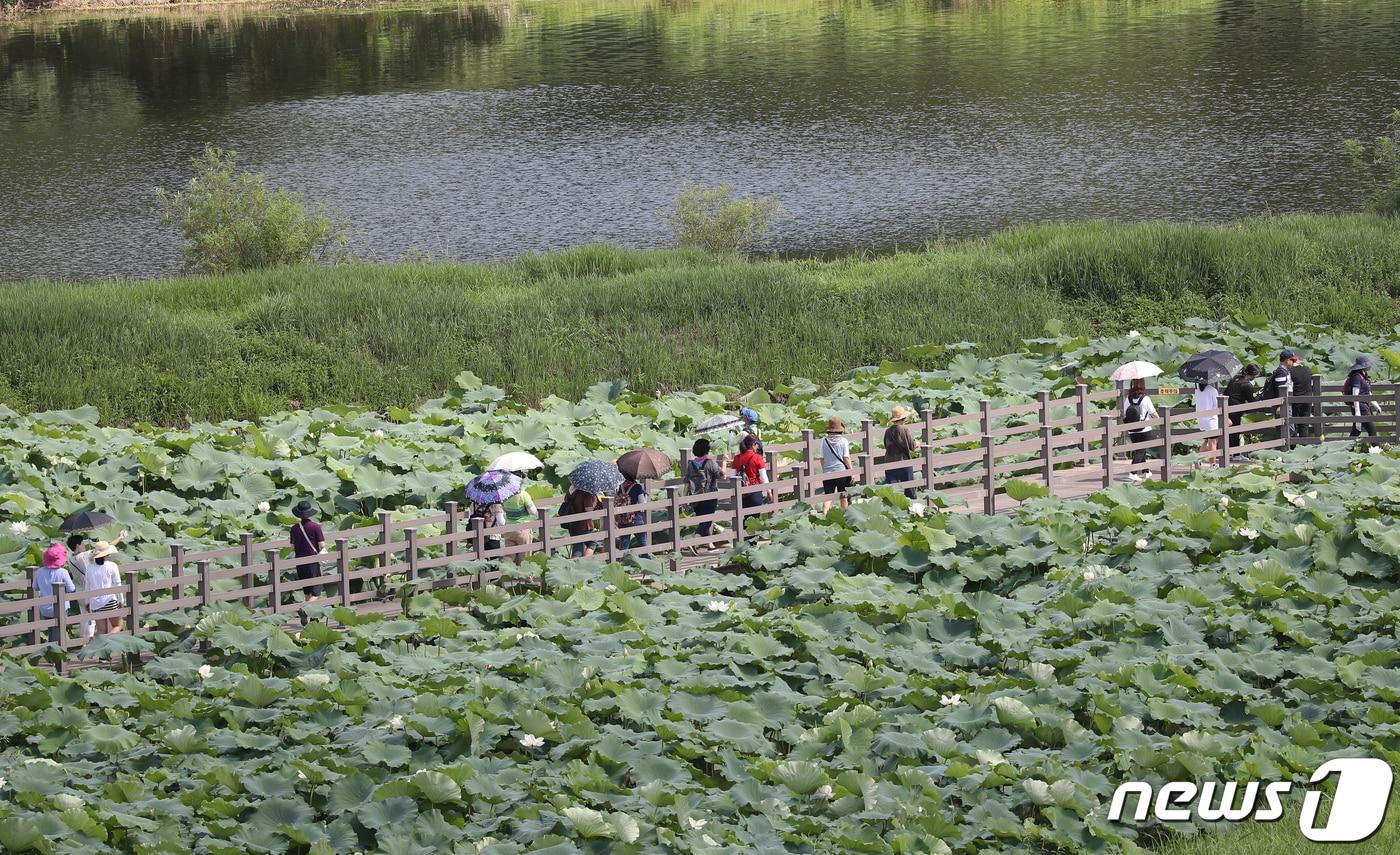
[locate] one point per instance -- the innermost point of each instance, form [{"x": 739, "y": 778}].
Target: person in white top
[
  {"x": 79, "y": 562},
  {"x": 102, "y": 574},
  {"x": 1206, "y": 399},
  {"x": 836, "y": 457},
  {"x": 1138, "y": 408}
]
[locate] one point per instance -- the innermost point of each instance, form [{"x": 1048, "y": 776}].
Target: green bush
[
  {"x": 1382, "y": 162},
  {"x": 715, "y": 221},
  {"x": 231, "y": 221}
]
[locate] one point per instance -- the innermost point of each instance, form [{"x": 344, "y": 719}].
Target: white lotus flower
[
  {"x": 709, "y": 841},
  {"x": 314, "y": 679},
  {"x": 378, "y": 433},
  {"x": 1375, "y": 449},
  {"x": 282, "y": 449},
  {"x": 1043, "y": 673},
  {"x": 717, "y": 606},
  {"x": 395, "y": 723},
  {"x": 301, "y": 776},
  {"x": 264, "y": 507},
  {"x": 1141, "y": 543},
  {"x": 950, "y": 700},
  {"x": 1089, "y": 576},
  {"x": 697, "y": 824},
  {"x": 1247, "y": 533},
  {"x": 530, "y": 740},
  {"x": 825, "y": 792},
  {"x": 918, "y": 509},
  {"x": 67, "y": 801},
  {"x": 1298, "y": 502},
  {"x": 20, "y": 528},
  {"x": 1134, "y": 334},
  {"x": 2, "y": 783},
  {"x": 205, "y": 672},
  {"x": 1130, "y": 722},
  {"x": 1224, "y": 501}
]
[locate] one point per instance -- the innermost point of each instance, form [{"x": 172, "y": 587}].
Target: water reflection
[{"x": 485, "y": 132}]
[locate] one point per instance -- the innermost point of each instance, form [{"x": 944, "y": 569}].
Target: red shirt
[{"x": 750, "y": 463}]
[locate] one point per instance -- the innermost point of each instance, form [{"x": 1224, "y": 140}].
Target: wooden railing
[{"x": 1060, "y": 443}]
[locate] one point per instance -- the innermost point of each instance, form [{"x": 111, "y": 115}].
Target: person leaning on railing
[
  {"x": 899, "y": 445},
  {"x": 1358, "y": 383},
  {"x": 50, "y": 574},
  {"x": 1241, "y": 391},
  {"x": 702, "y": 476}
]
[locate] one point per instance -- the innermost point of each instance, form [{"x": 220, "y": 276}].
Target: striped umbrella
[
  {"x": 596, "y": 476},
  {"x": 493, "y": 486}
]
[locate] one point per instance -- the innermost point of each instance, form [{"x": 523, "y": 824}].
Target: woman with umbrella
[
  {"x": 487, "y": 494},
  {"x": 590, "y": 481},
  {"x": 520, "y": 508},
  {"x": 637, "y": 466},
  {"x": 1137, "y": 406},
  {"x": 1206, "y": 370},
  {"x": 80, "y": 554}
]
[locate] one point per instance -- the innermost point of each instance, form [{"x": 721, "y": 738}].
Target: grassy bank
[{"x": 238, "y": 346}]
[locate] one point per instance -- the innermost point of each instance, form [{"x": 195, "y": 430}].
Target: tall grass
[{"x": 248, "y": 344}]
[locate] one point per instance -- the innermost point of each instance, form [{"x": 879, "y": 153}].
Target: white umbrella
[
  {"x": 1136, "y": 370},
  {"x": 516, "y": 461}
]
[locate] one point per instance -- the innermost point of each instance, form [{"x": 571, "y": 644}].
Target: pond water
[{"x": 485, "y": 132}]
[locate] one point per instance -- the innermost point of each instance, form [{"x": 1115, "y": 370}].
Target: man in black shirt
[
  {"x": 1241, "y": 391},
  {"x": 1302, "y": 385}
]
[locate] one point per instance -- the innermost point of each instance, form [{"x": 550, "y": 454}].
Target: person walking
[
  {"x": 580, "y": 502},
  {"x": 1280, "y": 386},
  {"x": 519, "y": 509},
  {"x": 751, "y": 468},
  {"x": 1302, "y": 384},
  {"x": 1358, "y": 383},
  {"x": 53, "y": 572},
  {"x": 632, "y": 492},
  {"x": 899, "y": 446},
  {"x": 104, "y": 574},
  {"x": 702, "y": 476},
  {"x": 1138, "y": 409},
  {"x": 750, "y": 426},
  {"x": 1241, "y": 391},
  {"x": 1206, "y": 402},
  {"x": 308, "y": 542},
  {"x": 836, "y": 456}
]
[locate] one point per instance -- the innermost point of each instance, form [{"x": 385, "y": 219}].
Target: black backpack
[
  {"x": 1134, "y": 411},
  {"x": 698, "y": 479}
]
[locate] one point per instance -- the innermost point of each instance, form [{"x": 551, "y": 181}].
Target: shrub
[
  {"x": 231, "y": 221},
  {"x": 1382, "y": 162},
  {"x": 715, "y": 221}
]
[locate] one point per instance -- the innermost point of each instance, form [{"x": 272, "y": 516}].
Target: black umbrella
[
  {"x": 86, "y": 521},
  {"x": 1210, "y": 367}
]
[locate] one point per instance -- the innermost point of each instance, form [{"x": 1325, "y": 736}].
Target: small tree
[
  {"x": 716, "y": 221},
  {"x": 231, "y": 220},
  {"x": 1382, "y": 163}
]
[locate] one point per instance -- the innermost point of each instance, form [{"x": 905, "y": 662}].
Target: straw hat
[
  {"x": 898, "y": 414},
  {"x": 834, "y": 425},
  {"x": 102, "y": 549}
]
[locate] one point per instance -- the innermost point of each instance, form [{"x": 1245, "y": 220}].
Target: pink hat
[{"x": 55, "y": 556}]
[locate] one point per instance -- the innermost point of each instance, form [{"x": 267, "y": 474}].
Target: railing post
[
  {"x": 867, "y": 452},
  {"x": 738, "y": 511},
  {"x": 609, "y": 529},
  {"x": 989, "y": 485},
  {"x": 274, "y": 579},
  {"x": 1317, "y": 410},
  {"x": 1047, "y": 462},
  {"x": 1166, "y": 444},
  {"x": 927, "y": 416},
  {"x": 60, "y": 617},
  {"x": 203, "y": 569},
  {"x": 673, "y": 496},
  {"x": 453, "y": 512},
  {"x": 1395, "y": 409},
  {"x": 177, "y": 569},
  {"x": 386, "y": 536},
  {"x": 246, "y": 580},
  {"x": 771, "y": 458},
  {"x": 1286, "y": 410},
  {"x": 545, "y": 535},
  {"x": 1225, "y": 431},
  {"x": 809, "y": 452},
  {"x": 410, "y": 536},
  {"x": 479, "y": 538},
  {"x": 1108, "y": 451},
  {"x": 33, "y": 607},
  {"x": 133, "y": 602},
  {"x": 342, "y": 568},
  {"x": 1081, "y": 393}
]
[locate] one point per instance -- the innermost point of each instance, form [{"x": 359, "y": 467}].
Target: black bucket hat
[{"x": 305, "y": 510}]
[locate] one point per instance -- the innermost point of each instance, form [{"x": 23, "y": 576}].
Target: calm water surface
[{"x": 478, "y": 132}]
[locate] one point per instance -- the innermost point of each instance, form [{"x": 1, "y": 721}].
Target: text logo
[{"x": 1358, "y": 808}]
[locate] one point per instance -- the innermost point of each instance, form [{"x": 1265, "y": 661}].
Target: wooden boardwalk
[{"x": 1077, "y": 445}]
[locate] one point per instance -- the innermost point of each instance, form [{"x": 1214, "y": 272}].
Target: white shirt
[
  {"x": 1207, "y": 400},
  {"x": 99, "y": 576},
  {"x": 835, "y": 450}
]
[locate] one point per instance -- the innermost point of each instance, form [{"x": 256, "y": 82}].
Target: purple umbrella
[{"x": 493, "y": 486}]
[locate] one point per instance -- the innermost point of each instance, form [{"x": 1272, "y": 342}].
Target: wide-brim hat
[
  {"x": 102, "y": 549},
  {"x": 898, "y": 414},
  {"x": 55, "y": 556},
  {"x": 1363, "y": 363},
  {"x": 305, "y": 510},
  {"x": 834, "y": 425}
]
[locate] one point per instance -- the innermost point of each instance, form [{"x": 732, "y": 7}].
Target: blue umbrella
[
  {"x": 493, "y": 486},
  {"x": 596, "y": 476}
]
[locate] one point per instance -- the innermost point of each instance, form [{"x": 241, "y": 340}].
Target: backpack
[
  {"x": 1276, "y": 382},
  {"x": 698, "y": 479},
  {"x": 620, "y": 503},
  {"x": 1134, "y": 411}
]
